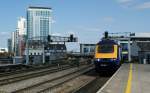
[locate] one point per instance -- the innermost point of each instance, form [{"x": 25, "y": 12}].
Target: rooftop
[{"x": 37, "y": 7}]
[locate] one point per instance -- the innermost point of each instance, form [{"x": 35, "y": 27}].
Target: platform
[{"x": 129, "y": 78}]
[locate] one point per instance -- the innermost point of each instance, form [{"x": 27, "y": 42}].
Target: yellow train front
[{"x": 107, "y": 56}]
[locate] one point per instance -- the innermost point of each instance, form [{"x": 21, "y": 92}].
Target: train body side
[{"x": 107, "y": 56}]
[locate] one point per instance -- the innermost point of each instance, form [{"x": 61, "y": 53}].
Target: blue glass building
[{"x": 38, "y": 22}]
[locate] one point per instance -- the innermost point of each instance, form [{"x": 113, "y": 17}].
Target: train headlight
[
  {"x": 97, "y": 59},
  {"x": 113, "y": 59}
]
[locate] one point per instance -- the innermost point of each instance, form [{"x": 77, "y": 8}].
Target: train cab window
[{"x": 105, "y": 48}]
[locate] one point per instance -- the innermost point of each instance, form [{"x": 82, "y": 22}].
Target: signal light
[
  {"x": 106, "y": 34},
  {"x": 48, "y": 38},
  {"x": 71, "y": 38}
]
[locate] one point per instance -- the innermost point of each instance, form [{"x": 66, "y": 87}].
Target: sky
[{"x": 87, "y": 19}]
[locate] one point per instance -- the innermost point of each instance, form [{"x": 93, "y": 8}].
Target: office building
[
  {"x": 13, "y": 41},
  {"x": 38, "y": 22},
  {"x": 21, "y": 26},
  {"x": 21, "y": 35},
  {"x": 9, "y": 45}
]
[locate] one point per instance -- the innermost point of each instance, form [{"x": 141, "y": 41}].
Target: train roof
[{"x": 107, "y": 41}]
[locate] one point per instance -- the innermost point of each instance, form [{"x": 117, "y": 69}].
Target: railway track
[
  {"x": 22, "y": 76},
  {"x": 96, "y": 84},
  {"x": 72, "y": 85},
  {"x": 37, "y": 84},
  {"x": 49, "y": 84},
  {"x": 89, "y": 82},
  {"x": 27, "y": 69}
]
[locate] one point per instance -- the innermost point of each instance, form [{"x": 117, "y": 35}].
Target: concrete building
[
  {"x": 13, "y": 41},
  {"x": 21, "y": 45},
  {"x": 38, "y": 22},
  {"x": 41, "y": 46},
  {"x": 16, "y": 44},
  {"x": 2, "y": 50},
  {"x": 135, "y": 46},
  {"x": 140, "y": 49},
  {"x": 21, "y": 26},
  {"x": 47, "y": 54},
  {"x": 49, "y": 51},
  {"x": 21, "y": 35},
  {"x": 9, "y": 45},
  {"x": 87, "y": 48}
]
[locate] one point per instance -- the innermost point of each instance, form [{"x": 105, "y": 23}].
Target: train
[{"x": 107, "y": 55}]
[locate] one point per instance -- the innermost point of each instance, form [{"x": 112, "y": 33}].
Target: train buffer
[{"x": 129, "y": 78}]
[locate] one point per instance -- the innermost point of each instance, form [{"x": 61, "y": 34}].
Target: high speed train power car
[{"x": 107, "y": 55}]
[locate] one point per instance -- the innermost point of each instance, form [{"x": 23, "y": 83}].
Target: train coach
[{"x": 107, "y": 55}]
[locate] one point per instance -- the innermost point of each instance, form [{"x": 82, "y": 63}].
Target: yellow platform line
[{"x": 129, "y": 84}]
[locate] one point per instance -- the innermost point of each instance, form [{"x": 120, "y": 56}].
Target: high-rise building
[
  {"x": 9, "y": 44},
  {"x": 21, "y": 34},
  {"x": 14, "y": 42},
  {"x": 38, "y": 22},
  {"x": 21, "y": 26}
]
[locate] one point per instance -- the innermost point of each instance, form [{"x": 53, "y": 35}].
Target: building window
[{"x": 85, "y": 50}]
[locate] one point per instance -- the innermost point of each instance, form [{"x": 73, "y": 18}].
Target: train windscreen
[{"x": 105, "y": 48}]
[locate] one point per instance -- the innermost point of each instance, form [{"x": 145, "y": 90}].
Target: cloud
[
  {"x": 56, "y": 34},
  {"x": 53, "y": 21},
  {"x": 92, "y": 29},
  {"x": 108, "y": 19},
  {"x": 124, "y": 1},
  {"x": 135, "y": 4},
  {"x": 145, "y": 5},
  {"x": 84, "y": 28},
  {"x": 4, "y": 33},
  {"x": 71, "y": 32}
]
